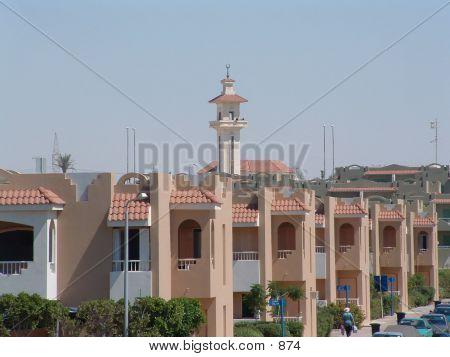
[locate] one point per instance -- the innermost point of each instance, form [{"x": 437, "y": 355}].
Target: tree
[
  {"x": 276, "y": 291},
  {"x": 256, "y": 299},
  {"x": 101, "y": 318},
  {"x": 65, "y": 162}
]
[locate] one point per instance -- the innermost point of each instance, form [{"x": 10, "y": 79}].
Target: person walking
[{"x": 348, "y": 320}]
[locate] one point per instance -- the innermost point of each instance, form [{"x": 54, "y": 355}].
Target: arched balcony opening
[
  {"x": 286, "y": 240},
  {"x": 423, "y": 243},
  {"x": 389, "y": 239},
  {"x": 16, "y": 248},
  {"x": 189, "y": 244},
  {"x": 346, "y": 237}
]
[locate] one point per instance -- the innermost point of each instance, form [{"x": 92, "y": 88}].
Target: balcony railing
[
  {"x": 12, "y": 268},
  {"x": 133, "y": 265},
  {"x": 186, "y": 264},
  {"x": 283, "y": 254},
  {"x": 387, "y": 250},
  {"x": 345, "y": 248},
  {"x": 422, "y": 250},
  {"x": 244, "y": 256},
  {"x": 277, "y": 319},
  {"x": 354, "y": 301},
  {"x": 320, "y": 249}
]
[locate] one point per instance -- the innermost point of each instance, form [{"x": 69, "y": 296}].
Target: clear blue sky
[{"x": 170, "y": 56}]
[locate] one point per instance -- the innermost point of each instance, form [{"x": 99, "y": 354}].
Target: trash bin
[
  {"x": 375, "y": 327},
  {"x": 437, "y": 302},
  {"x": 400, "y": 316}
]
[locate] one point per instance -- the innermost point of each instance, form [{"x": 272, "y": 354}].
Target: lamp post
[{"x": 140, "y": 197}]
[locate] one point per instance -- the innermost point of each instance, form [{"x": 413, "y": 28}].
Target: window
[
  {"x": 286, "y": 236},
  {"x": 133, "y": 244},
  {"x": 346, "y": 235},
  {"x": 389, "y": 237},
  {"x": 189, "y": 240},
  {"x": 16, "y": 245},
  {"x": 197, "y": 243},
  {"x": 51, "y": 243},
  {"x": 423, "y": 241},
  {"x": 219, "y": 116},
  {"x": 231, "y": 115}
]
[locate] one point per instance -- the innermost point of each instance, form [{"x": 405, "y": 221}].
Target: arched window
[
  {"x": 52, "y": 243},
  {"x": 423, "y": 241},
  {"x": 286, "y": 236},
  {"x": 16, "y": 244},
  {"x": 389, "y": 237},
  {"x": 346, "y": 235},
  {"x": 189, "y": 240}
]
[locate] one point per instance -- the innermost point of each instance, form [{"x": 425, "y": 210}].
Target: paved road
[{"x": 366, "y": 331}]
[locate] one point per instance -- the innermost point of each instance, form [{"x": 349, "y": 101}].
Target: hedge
[{"x": 444, "y": 283}]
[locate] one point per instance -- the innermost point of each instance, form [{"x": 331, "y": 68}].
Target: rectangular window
[
  {"x": 231, "y": 115},
  {"x": 197, "y": 233},
  {"x": 446, "y": 213},
  {"x": 133, "y": 244}
]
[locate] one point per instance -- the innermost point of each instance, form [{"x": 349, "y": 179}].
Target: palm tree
[{"x": 65, "y": 162}]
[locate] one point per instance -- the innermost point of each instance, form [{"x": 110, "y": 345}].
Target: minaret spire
[{"x": 228, "y": 126}]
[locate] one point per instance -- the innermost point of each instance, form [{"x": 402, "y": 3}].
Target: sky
[{"x": 169, "y": 57}]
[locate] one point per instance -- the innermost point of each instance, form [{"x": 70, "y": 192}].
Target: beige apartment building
[{"x": 62, "y": 235}]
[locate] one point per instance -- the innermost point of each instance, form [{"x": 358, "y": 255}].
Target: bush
[
  {"x": 271, "y": 329},
  {"x": 29, "y": 312},
  {"x": 444, "y": 283},
  {"x": 375, "y": 306},
  {"x": 419, "y": 294},
  {"x": 295, "y": 328},
  {"x": 101, "y": 318},
  {"x": 152, "y": 317},
  {"x": 325, "y": 321},
  {"x": 247, "y": 331},
  {"x": 336, "y": 310}
]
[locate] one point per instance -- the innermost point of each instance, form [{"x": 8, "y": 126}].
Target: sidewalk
[{"x": 366, "y": 331}]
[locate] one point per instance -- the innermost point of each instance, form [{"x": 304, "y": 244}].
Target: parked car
[
  {"x": 422, "y": 326},
  {"x": 438, "y": 323},
  {"x": 443, "y": 309},
  {"x": 388, "y": 334},
  {"x": 406, "y": 331}
]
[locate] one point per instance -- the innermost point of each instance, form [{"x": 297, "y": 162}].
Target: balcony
[
  {"x": 186, "y": 264},
  {"x": 12, "y": 268},
  {"x": 321, "y": 263},
  {"x": 320, "y": 249},
  {"x": 139, "y": 279},
  {"x": 284, "y": 254},
  {"x": 348, "y": 257},
  {"x": 133, "y": 265},
  {"x": 245, "y": 256},
  {"x": 424, "y": 257}
]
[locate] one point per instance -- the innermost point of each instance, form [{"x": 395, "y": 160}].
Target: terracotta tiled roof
[
  {"x": 441, "y": 200},
  {"x": 286, "y": 205},
  {"x": 244, "y": 213},
  {"x": 362, "y": 189},
  {"x": 390, "y": 172},
  {"x": 254, "y": 166},
  {"x": 228, "y": 98},
  {"x": 39, "y": 196},
  {"x": 391, "y": 215},
  {"x": 349, "y": 209},
  {"x": 320, "y": 219},
  {"x": 137, "y": 211},
  {"x": 196, "y": 195},
  {"x": 424, "y": 222}
]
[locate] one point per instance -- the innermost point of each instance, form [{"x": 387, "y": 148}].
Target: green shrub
[
  {"x": 295, "y": 328},
  {"x": 419, "y": 294},
  {"x": 101, "y": 318},
  {"x": 325, "y": 320},
  {"x": 31, "y": 311},
  {"x": 444, "y": 283},
  {"x": 246, "y": 331},
  {"x": 271, "y": 329},
  {"x": 337, "y": 310},
  {"x": 179, "y": 317}
]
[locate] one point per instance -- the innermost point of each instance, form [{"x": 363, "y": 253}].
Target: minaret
[{"x": 228, "y": 125}]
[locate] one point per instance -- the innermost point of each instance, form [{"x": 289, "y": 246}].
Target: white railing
[
  {"x": 322, "y": 303},
  {"x": 344, "y": 248},
  {"x": 320, "y": 249},
  {"x": 354, "y": 301},
  {"x": 395, "y": 292},
  {"x": 387, "y": 250},
  {"x": 12, "y": 268},
  {"x": 133, "y": 265},
  {"x": 283, "y": 254},
  {"x": 246, "y": 255},
  {"x": 277, "y": 319},
  {"x": 422, "y": 250},
  {"x": 186, "y": 264}
]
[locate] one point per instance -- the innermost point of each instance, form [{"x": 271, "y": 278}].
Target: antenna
[
  {"x": 434, "y": 125},
  {"x": 55, "y": 153},
  {"x": 227, "y": 66}
]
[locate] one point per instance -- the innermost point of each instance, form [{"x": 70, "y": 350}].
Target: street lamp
[{"x": 140, "y": 197}]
